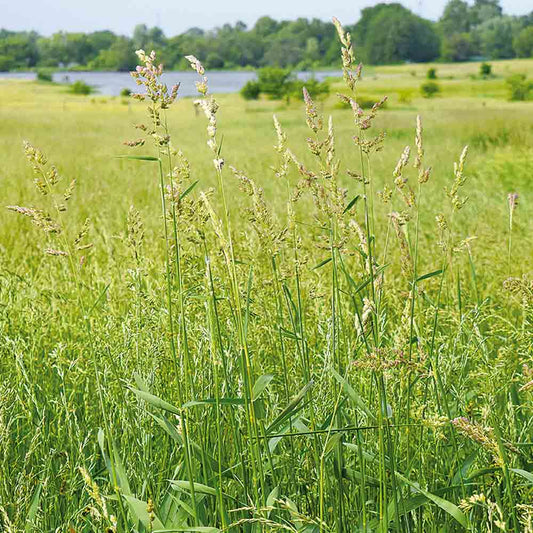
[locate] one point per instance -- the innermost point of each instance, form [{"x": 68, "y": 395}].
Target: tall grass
[{"x": 332, "y": 366}]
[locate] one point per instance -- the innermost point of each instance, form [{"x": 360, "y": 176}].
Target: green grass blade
[{"x": 445, "y": 505}]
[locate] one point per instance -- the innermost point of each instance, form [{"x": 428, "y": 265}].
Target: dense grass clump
[
  {"x": 328, "y": 338},
  {"x": 80, "y": 87}
]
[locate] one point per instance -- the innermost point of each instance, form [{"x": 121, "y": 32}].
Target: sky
[{"x": 176, "y": 16}]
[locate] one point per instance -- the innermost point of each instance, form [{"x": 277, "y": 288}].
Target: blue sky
[{"x": 175, "y": 16}]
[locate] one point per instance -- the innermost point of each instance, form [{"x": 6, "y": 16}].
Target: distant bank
[{"x": 112, "y": 83}]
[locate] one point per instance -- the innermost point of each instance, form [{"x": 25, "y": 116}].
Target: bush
[
  {"x": 364, "y": 102},
  {"x": 42, "y": 75},
  {"x": 405, "y": 96},
  {"x": 125, "y": 92},
  {"x": 273, "y": 82},
  {"x": 432, "y": 74},
  {"x": 251, "y": 90},
  {"x": 519, "y": 87},
  {"x": 317, "y": 90},
  {"x": 80, "y": 87},
  {"x": 429, "y": 89},
  {"x": 485, "y": 70},
  {"x": 368, "y": 102}
]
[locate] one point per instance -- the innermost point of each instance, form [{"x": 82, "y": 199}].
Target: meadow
[{"x": 241, "y": 324}]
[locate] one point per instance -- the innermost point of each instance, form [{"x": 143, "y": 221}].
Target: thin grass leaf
[
  {"x": 445, "y": 505},
  {"x": 198, "y": 487},
  {"x": 290, "y": 410},
  {"x": 138, "y": 509},
  {"x": 188, "y": 190},
  {"x": 353, "y": 201},
  {"x": 260, "y": 385},
  {"x": 322, "y": 263},
  {"x": 155, "y": 401},
  {"x": 214, "y": 401},
  {"x": 429, "y": 275},
  {"x": 354, "y": 397},
  {"x": 332, "y": 443},
  {"x": 33, "y": 509},
  {"x": 524, "y": 473}
]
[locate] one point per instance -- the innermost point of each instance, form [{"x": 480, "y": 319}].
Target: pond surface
[{"x": 111, "y": 83}]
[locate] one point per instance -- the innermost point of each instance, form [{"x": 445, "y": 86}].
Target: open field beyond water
[{"x": 297, "y": 354}]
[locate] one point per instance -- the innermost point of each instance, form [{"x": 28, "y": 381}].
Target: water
[{"x": 111, "y": 83}]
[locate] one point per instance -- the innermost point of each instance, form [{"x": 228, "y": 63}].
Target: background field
[
  {"x": 50, "y": 411},
  {"x": 87, "y": 133}
]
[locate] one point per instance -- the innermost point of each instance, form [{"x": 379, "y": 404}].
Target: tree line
[{"x": 385, "y": 33}]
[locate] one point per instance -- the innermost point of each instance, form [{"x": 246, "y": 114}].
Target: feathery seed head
[
  {"x": 512, "y": 198},
  {"x": 195, "y": 64}
]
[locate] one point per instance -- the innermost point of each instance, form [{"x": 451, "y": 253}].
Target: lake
[{"x": 111, "y": 83}]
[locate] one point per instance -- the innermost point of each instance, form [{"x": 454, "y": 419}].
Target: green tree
[
  {"x": 266, "y": 26},
  {"x": 120, "y": 56},
  {"x": 214, "y": 61},
  {"x": 523, "y": 42},
  {"x": 18, "y": 49},
  {"x": 455, "y": 18},
  {"x": 101, "y": 40},
  {"x": 312, "y": 49},
  {"x": 496, "y": 37},
  {"x": 149, "y": 38},
  {"x": 391, "y": 33},
  {"x": 458, "y": 47},
  {"x": 484, "y": 10}
]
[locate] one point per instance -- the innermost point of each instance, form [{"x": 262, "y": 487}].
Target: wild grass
[{"x": 293, "y": 325}]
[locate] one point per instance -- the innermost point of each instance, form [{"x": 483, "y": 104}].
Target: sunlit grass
[{"x": 310, "y": 379}]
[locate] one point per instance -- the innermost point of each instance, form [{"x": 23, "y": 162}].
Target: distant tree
[
  {"x": 140, "y": 36},
  {"x": 18, "y": 49},
  {"x": 368, "y": 14},
  {"x": 266, "y": 26},
  {"x": 523, "y": 42},
  {"x": 148, "y": 38},
  {"x": 214, "y": 61},
  {"x": 385, "y": 33},
  {"x": 458, "y": 47},
  {"x": 64, "y": 48},
  {"x": 484, "y": 10},
  {"x": 312, "y": 50},
  {"x": 120, "y": 56},
  {"x": 283, "y": 52},
  {"x": 391, "y": 33},
  {"x": 455, "y": 18},
  {"x": 101, "y": 40},
  {"x": 195, "y": 32},
  {"x": 6, "y": 63},
  {"x": 496, "y": 37},
  {"x": 526, "y": 20}
]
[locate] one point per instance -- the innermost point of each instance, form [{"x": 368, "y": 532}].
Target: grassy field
[{"x": 327, "y": 337}]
